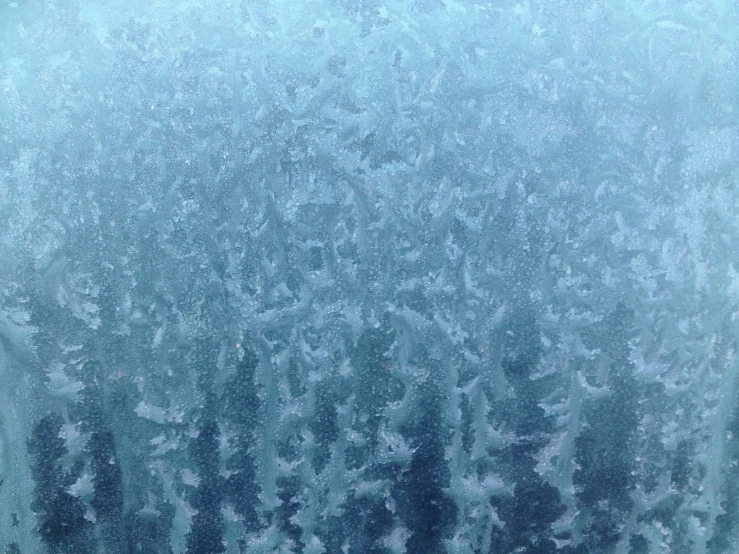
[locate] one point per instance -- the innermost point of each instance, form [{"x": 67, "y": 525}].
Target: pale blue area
[{"x": 353, "y": 276}]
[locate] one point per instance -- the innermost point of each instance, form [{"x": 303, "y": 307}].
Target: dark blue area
[
  {"x": 206, "y": 530},
  {"x": 60, "y": 515}
]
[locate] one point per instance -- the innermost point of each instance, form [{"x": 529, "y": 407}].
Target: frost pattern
[{"x": 341, "y": 276}]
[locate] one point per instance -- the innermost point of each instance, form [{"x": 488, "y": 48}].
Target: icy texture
[{"x": 354, "y": 276}]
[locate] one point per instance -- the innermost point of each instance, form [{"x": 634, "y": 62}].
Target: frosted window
[{"x": 369, "y": 277}]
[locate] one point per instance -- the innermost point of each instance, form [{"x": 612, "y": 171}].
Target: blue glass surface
[{"x": 369, "y": 277}]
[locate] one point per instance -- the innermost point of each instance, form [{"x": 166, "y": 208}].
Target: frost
[
  {"x": 60, "y": 384},
  {"x": 337, "y": 276}
]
